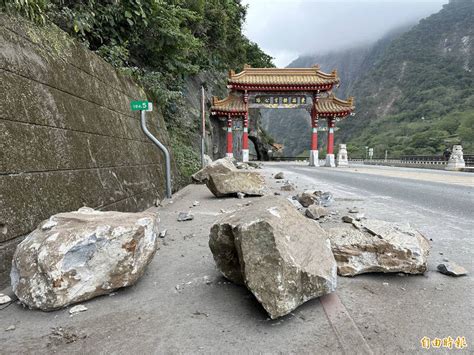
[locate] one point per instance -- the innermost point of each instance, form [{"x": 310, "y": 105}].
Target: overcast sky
[{"x": 286, "y": 29}]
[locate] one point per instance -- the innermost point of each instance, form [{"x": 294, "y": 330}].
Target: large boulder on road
[
  {"x": 79, "y": 255},
  {"x": 233, "y": 182},
  {"x": 372, "y": 245},
  {"x": 219, "y": 166},
  {"x": 282, "y": 257}
]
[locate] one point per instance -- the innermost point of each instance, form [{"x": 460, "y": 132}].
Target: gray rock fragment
[
  {"x": 295, "y": 204},
  {"x": 348, "y": 219},
  {"x": 242, "y": 166},
  {"x": 4, "y": 299},
  {"x": 189, "y": 236},
  {"x": 279, "y": 175},
  {"x": 309, "y": 197},
  {"x": 451, "y": 269},
  {"x": 255, "y": 165},
  {"x": 77, "y": 309},
  {"x": 316, "y": 212},
  {"x": 326, "y": 199},
  {"x": 287, "y": 187},
  {"x": 185, "y": 216}
]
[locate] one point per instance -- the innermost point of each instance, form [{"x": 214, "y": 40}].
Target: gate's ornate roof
[
  {"x": 296, "y": 78},
  {"x": 332, "y": 106},
  {"x": 232, "y": 104}
]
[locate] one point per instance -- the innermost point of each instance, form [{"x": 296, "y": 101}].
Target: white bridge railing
[
  {"x": 415, "y": 163},
  {"x": 426, "y": 162}
]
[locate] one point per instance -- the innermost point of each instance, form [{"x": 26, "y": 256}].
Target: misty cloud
[{"x": 286, "y": 29}]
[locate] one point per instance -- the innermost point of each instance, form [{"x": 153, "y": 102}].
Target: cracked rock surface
[
  {"x": 282, "y": 257},
  {"x": 372, "y": 245}
]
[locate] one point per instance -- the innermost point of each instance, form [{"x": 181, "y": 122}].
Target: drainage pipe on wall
[{"x": 163, "y": 149}]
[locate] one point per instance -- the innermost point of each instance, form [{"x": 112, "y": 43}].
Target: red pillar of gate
[
  {"x": 229, "y": 137},
  {"x": 331, "y": 123}
]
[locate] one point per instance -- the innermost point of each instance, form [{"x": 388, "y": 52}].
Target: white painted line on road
[{"x": 346, "y": 330}]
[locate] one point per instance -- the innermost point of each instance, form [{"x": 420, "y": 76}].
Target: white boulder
[
  {"x": 76, "y": 256},
  {"x": 372, "y": 245}
]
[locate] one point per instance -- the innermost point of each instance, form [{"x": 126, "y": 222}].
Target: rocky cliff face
[
  {"x": 185, "y": 126},
  {"x": 184, "y": 122}
]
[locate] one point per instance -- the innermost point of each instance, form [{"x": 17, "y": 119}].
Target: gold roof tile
[
  {"x": 231, "y": 104},
  {"x": 286, "y": 76},
  {"x": 332, "y": 106}
]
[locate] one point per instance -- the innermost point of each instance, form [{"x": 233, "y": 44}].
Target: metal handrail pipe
[{"x": 163, "y": 149}]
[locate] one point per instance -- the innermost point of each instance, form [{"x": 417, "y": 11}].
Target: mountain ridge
[{"x": 414, "y": 89}]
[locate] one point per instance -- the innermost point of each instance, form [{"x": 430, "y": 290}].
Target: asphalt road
[
  {"x": 183, "y": 305},
  {"x": 444, "y": 211},
  {"x": 444, "y": 198},
  {"x": 440, "y": 204}
]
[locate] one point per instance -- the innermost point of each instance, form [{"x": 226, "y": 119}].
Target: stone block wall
[{"x": 67, "y": 135}]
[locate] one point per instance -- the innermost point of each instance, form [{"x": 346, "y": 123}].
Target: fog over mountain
[
  {"x": 414, "y": 90},
  {"x": 290, "y": 28}
]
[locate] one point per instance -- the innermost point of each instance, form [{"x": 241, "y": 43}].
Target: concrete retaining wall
[{"x": 67, "y": 135}]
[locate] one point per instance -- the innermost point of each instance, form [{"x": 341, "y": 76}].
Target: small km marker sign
[{"x": 141, "y": 106}]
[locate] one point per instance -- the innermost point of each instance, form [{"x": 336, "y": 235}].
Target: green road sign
[{"x": 141, "y": 106}]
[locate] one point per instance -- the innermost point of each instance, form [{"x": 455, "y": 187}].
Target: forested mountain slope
[
  {"x": 414, "y": 90},
  {"x": 349, "y": 64},
  {"x": 419, "y": 97}
]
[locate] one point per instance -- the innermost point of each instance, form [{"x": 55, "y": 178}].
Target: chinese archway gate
[{"x": 307, "y": 88}]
